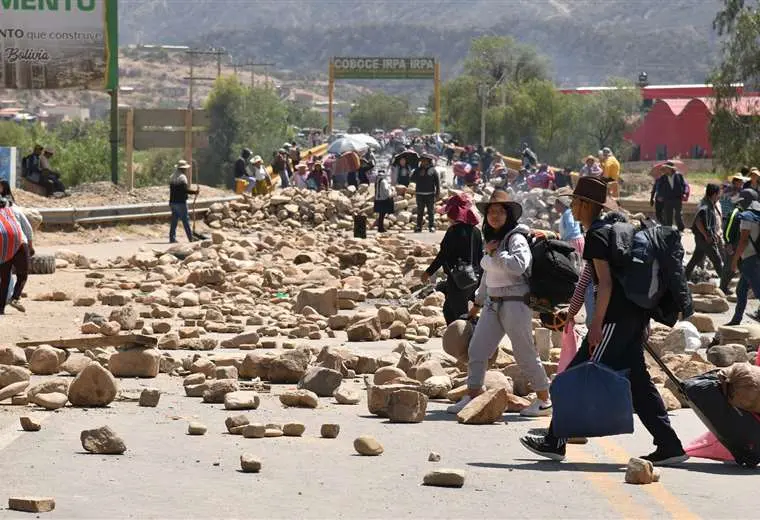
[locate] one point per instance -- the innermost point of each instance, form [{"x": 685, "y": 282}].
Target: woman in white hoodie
[{"x": 502, "y": 296}]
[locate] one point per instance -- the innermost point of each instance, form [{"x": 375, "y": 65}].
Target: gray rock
[
  {"x": 196, "y": 428},
  {"x": 249, "y": 463},
  {"x": 241, "y": 400},
  {"x": 300, "y": 398},
  {"x": 102, "y": 441},
  {"x": 149, "y": 397},
  {"x": 367, "y": 445},
  {"x": 445, "y": 478},
  {"x": 94, "y": 386},
  {"x": 345, "y": 395},
  {"x": 329, "y": 431},
  {"x": 322, "y": 381}
]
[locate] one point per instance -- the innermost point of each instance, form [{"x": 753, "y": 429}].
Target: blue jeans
[
  {"x": 179, "y": 212},
  {"x": 750, "y": 277}
]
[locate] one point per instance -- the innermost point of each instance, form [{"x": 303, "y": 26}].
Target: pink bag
[{"x": 569, "y": 348}]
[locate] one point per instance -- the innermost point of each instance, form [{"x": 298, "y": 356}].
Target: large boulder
[
  {"x": 407, "y": 406},
  {"x": 727, "y": 355},
  {"x": 487, "y": 408},
  {"x": 324, "y": 300},
  {"x": 255, "y": 365},
  {"x": 711, "y": 304},
  {"x": 322, "y": 381},
  {"x": 218, "y": 389},
  {"x": 289, "y": 367},
  {"x": 456, "y": 339},
  {"x": 94, "y": 386},
  {"x": 13, "y": 374},
  {"x": 135, "y": 362},
  {"x": 45, "y": 361},
  {"x": 367, "y": 329},
  {"x": 12, "y": 356},
  {"x": 378, "y": 397}
]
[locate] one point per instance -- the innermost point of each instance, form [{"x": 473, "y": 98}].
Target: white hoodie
[{"x": 505, "y": 272}]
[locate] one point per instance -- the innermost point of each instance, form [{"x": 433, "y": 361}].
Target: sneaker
[
  {"x": 418, "y": 230},
  {"x": 16, "y": 304},
  {"x": 539, "y": 446},
  {"x": 537, "y": 408},
  {"x": 456, "y": 408},
  {"x": 660, "y": 457},
  {"x": 755, "y": 316},
  {"x": 431, "y": 230},
  {"x": 732, "y": 323}
]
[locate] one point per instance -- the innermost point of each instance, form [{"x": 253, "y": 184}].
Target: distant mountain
[{"x": 586, "y": 40}]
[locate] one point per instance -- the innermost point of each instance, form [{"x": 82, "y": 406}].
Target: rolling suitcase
[{"x": 738, "y": 430}]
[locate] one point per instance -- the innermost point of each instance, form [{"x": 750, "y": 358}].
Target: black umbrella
[{"x": 412, "y": 158}]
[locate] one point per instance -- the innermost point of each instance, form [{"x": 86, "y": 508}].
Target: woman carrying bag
[
  {"x": 503, "y": 296},
  {"x": 460, "y": 254}
]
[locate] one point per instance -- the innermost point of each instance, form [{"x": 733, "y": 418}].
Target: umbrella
[
  {"x": 346, "y": 144},
  {"x": 659, "y": 168},
  {"x": 414, "y": 131},
  {"x": 366, "y": 139},
  {"x": 397, "y": 132},
  {"x": 412, "y": 159}
]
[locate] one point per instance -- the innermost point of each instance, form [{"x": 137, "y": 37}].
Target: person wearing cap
[
  {"x": 617, "y": 333},
  {"x": 178, "y": 192},
  {"x": 669, "y": 189},
  {"x": 611, "y": 171},
  {"x": 261, "y": 178},
  {"x": 502, "y": 300},
  {"x": 706, "y": 229},
  {"x": 731, "y": 234},
  {"x": 462, "y": 243},
  {"x": 427, "y": 191},
  {"x": 590, "y": 167},
  {"x": 748, "y": 251}
]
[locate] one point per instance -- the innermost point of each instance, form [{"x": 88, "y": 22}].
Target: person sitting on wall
[{"x": 50, "y": 179}]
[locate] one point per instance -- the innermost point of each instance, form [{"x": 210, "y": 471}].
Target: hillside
[{"x": 586, "y": 40}]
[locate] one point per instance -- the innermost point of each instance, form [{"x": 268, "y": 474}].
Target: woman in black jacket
[{"x": 463, "y": 244}]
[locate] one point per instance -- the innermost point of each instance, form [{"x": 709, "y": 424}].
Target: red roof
[{"x": 744, "y": 106}]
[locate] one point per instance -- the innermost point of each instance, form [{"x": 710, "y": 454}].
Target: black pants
[
  {"x": 727, "y": 275},
  {"x": 625, "y": 350},
  {"x": 456, "y": 302},
  {"x": 701, "y": 250},
  {"x": 426, "y": 203},
  {"x": 20, "y": 262},
  {"x": 658, "y": 210},
  {"x": 671, "y": 210},
  {"x": 353, "y": 179},
  {"x": 381, "y": 222}
]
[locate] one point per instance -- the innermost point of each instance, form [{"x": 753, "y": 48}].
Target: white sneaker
[
  {"x": 456, "y": 408},
  {"x": 538, "y": 408}
]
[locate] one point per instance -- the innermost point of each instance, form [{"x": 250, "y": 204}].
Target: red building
[{"x": 678, "y": 122}]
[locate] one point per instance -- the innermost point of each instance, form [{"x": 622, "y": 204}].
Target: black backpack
[
  {"x": 554, "y": 272},
  {"x": 26, "y": 165}
]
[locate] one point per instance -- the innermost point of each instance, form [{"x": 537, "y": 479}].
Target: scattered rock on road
[
  {"x": 345, "y": 395},
  {"x": 149, "y": 397},
  {"x": 434, "y": 457},
  {"x": 300, "y": 399},
  {"x": 51, "y": 401},
  {"x": 640, "y": 471},
  {"x": 249, "y": 463},
  {"x": 94, "y": 386},
  {"x": 241, "y": 400},
  {"x": 407, "y": 406},
  {"x": 196, "y": 428},
  {"x": 30, "y": 425},
  {"x": 329, "y": 431},
  {"x": 13, "y": 389},
  {"x": 322, "y": 381},
  {"x": 31, "y": 504},
  {"x": 366, "y": 445},
  {"x": 445, "y": 478},
  {"x": 487, "y": 408},
  {"x": 294, "y": 429},
  {"x": 102, "y": 441}
]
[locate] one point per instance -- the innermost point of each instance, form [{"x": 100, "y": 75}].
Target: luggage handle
[{"x": 664, "y": 367}]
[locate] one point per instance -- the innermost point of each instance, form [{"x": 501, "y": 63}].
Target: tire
[{"x": 42, "y": 264}]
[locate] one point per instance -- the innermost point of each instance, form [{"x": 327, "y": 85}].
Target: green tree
[
  {"x": 494, "y": 60},
  {"x": 734, "y": 136},
  {"x": 379, "y": 110},
  {"x": 240, "y": 116},
  {"x": 607, "y": 115}
]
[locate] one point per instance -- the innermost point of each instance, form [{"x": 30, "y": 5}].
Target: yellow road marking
[{"x": 672, "y": 505}]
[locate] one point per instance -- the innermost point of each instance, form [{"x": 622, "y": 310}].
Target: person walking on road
[
  {"x": 731, "y": 234},
  {"x": 462, "y": 244},
  {"x": 706, "y": 229},
  {"x": 428, "y": 189},
  {"x": 502, "y": 296},
  {"x": 384, "y": 203},
  {"x": 669, "y": 190},
  {"x": 617, "y": 334},
  {"x": 748, "y": 251},
  {"x": 178, "y": 192}
]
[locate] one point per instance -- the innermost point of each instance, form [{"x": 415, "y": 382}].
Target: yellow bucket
[{"x": 240, "y": 185}]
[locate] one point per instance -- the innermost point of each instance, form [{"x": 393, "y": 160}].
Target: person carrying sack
[
  {"x": 616, "y": 336},
  {"x": 460, "y": 254},
  {"x": 503, "y": 297}
]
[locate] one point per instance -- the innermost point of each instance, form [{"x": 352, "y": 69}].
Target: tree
[
  {"x": 735, "y": 137},
  {"x": 606, "y": 115},
  {"x": 240, "y": 117},
  {"x": 379, "y": 110},
  {"x": 494, "y": 60}
]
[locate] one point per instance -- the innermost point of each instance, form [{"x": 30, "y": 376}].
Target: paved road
[{"x": 167, "y": 474}]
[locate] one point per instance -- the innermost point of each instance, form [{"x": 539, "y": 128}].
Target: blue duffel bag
[{"x": 591, "y": 400}]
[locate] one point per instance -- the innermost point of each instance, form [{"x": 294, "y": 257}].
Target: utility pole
[
  {"x": 483, "y": 91},
  {"x": 192, "y": 78},
  {"x": 251, "y": 65}
]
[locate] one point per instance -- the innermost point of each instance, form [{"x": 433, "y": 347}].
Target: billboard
[
  {"x": 383, "y": 68},
  {"x": 8, "y": 165},
  {"x": 58, "y": 44}
]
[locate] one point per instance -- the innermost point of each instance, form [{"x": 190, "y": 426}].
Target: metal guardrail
[{"x": 64, "y": 217}]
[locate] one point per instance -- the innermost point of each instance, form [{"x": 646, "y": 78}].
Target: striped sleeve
[
  {"x": 26, "y": 228},
  {"x": 579, "y": 295}
]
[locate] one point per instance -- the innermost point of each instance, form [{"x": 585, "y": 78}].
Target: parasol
[
  {"x": 347, "y": 144},
  {"x": 659, "y": 168},
  {"x": 412, "y": 158}
]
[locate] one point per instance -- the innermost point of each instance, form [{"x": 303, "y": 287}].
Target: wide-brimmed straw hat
[
  {"x": 594, "y": 190},
  {"x": 503, "y": 198},
  {"x": 257, "y": 159},
  {"x": 739, "y": 177},
  {"x": 182, "y": 165}
]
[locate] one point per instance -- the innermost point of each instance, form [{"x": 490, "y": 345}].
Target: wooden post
[
  {"x": 129, "y": 147},
  {"x": 437, "y": 95},
  {"x": 330, "y": 89},
  {"x": 189, "y": 143}
]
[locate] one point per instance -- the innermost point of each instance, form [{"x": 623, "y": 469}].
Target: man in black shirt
[
  {"x": 178, "y": 192},
  {"x": 427, "y": 190},
  {"x": 241, "y": 165},
  {"x": 619, "y": 329},
  {"x": 706, "y": 229}
]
